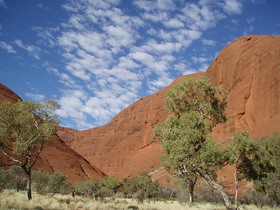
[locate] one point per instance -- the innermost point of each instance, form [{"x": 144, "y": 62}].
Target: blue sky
[{"x": 96, "y": 57}]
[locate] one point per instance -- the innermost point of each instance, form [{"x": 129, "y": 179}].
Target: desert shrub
[
  {"x": 110, "y": 185},
  {"x": 40, "y": 180},
  {"x": 92, "y": 186},
  {"x": 3, "y": 179},
  {"x": 167, "y": 191},
  {"x": 183, "y": 195},
  {"x": 127, "y": 188},
  {"x": 16, "y": 178},
  {"x": 258, "y": 198},
  {"x": 205, "y": 193},
  {"x": 105, "y": 192},
  {"x": 80, "y": 187},
  {"x": 58, "y": 183},
  {"x": 140, "y": 187},
  {"x": 143, "y": 187}
]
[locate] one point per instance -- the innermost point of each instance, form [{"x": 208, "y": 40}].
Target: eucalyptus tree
[
  {"x": 25, "y": 129},
  {"x": 244, "y": 155},
  {"x": 195, "y": 106}
]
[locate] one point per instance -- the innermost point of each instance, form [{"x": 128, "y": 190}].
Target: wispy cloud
[
  {"x": 3, "y": 4},
  {"x": 31, "y": 49},
  {"x": 118, "y": 57},
  {"x": 7, "y": 47},
  {"x": 35, "y": 97},
  {"x": 232, "y": 7}
]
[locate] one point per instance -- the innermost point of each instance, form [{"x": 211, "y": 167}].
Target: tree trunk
[
  {"x": 191, "y": 198},
  {"x": 191, "y": 185},
  {"x": 216, "y": 186},
  {"x": 29, "y": 195},
  {"x": 236, "y": 189}
]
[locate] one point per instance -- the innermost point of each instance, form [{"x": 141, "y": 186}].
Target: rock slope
[{"x": 248, "y": 68}]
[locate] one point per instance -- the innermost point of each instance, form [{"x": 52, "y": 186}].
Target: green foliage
[
  {"x": 258, "y": 198},
  {"x": 271, "y": 172},
  {"x": 17, "y": 178},
  {"x": 40, "y": 179},
  {"x": 26, "y": 124},
  {"x": 58, "y": 183},
  {"x": 111, "y": 183},
  {"x": 3, "y": 179},
  {"x": 92, "y": 186},
  {"x": 244, "y": 154},
  {"x": 195, "y": 106},
  {"x": 25, "y": 129},
  {"x": 139, "y": 187}
]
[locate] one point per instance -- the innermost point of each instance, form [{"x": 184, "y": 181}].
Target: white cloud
[
  {"x": 72, "y": 105},
  {"x": 7, "y": 47},
  {"x": 200, "y": 16},
  {"x": 232, "y": 7},
  {"x": 31, "y": 49},
  {"x": 174, "y": 23},
  {"x": 209, "y": 42},
  {"x": 64, "y": 78},
  {"x": 199, "y": 59},
  {"x": 3, "y": 4},
  {"x": 118, "y": 57},
  {"x": 35, "y": 97}
]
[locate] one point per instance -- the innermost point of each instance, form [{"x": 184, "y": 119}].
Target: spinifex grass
[{"x": 10, "y": 199}]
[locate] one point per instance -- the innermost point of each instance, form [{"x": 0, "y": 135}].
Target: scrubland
[{"x": 10, "y": 199}]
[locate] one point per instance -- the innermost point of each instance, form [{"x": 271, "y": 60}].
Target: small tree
[
  {"x": 40, "y": 179},
  {"x": 271, "y": 175},
  {"x": 110, "y": 185},
  {"x": 92, "y": 186},
  {"x": 195, "y": 107},
  {"x": 16, "y": 178},
  {"x": 3, "y": 179},
  {"x": 58, "y": 183},
  {"x": 243, "y": 154},
  {"x": 25, "y": 129}
]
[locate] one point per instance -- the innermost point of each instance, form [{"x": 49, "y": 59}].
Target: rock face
[
  {"x": 248, "y": 68},
  {"x": 56, "y": 157},
  {"x": 124, "y": 147}
]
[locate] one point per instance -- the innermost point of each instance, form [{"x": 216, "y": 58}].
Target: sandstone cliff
[{"x": 248, "y": 68}]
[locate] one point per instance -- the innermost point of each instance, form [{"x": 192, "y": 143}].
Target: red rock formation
[
  {"x": 248, "y": 68},
  {"x": 56, "y": 157}
]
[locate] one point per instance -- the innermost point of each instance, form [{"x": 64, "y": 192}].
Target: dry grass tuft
[{"x": 10, "y": 199}]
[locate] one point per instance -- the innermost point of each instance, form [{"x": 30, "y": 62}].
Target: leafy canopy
[
  {"x": 25, "y": 124},
  {"x": 195, "y": 106}
]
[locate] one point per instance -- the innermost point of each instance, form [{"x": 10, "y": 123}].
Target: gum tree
[
  {"x": 243, "y": 154},
  {"x": 25, "y": 129},
  {"x": 195, "y": 106}
]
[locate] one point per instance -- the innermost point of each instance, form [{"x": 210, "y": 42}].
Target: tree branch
[
  {"x": 12, "y": 158},
  {"x": 37, "y": 154}
]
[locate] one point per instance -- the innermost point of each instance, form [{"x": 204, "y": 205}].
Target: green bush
[
  {"x": 16, "y": 178},
  {"x": 259, "y": 199},
  {"x": 111, "y": 184},
  {"x": 40, "y": 180},
  {"x": 3, "y": 179},
  {"x": 58, "y": 183}
]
